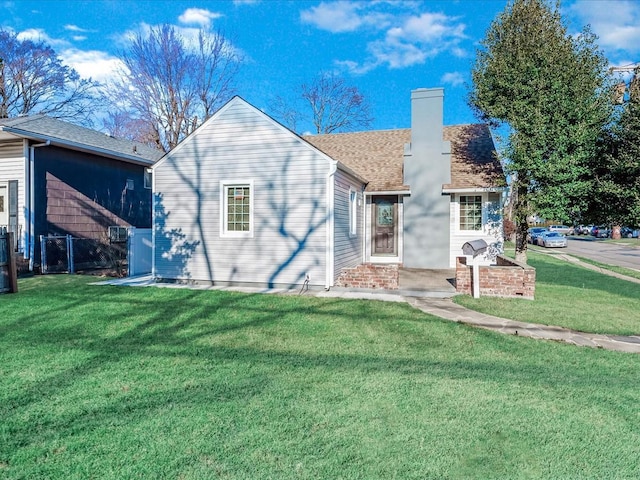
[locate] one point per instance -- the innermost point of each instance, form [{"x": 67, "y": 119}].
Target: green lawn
[
  {"x": 570, "y": 296},
  {"x": 118, "y": 382}
]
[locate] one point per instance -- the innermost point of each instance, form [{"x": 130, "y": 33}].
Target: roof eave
[
  {"x": 473, "y": 189},
  {"x": 389, "y": 192},
  {"x": 78, "y": 146}
]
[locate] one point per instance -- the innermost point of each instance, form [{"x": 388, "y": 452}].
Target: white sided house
[{"x": 245, "y": 201}]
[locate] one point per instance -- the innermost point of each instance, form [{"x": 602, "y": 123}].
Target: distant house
[
  {"x": 243, "y": 200},
  {"x": 59, "y": 178}
]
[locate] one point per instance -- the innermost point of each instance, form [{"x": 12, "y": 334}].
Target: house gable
[{"x": 291, "y": 188}]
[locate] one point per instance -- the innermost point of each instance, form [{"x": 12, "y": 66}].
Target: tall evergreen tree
[
  {"x": 615, "y": 198},
  {"x": 550, "y": 91}
]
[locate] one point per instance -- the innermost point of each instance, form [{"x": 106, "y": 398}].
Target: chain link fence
[{"x": 66, "y": 254}]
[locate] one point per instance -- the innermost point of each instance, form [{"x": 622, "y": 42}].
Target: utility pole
[{"x": 634, "y": 83}]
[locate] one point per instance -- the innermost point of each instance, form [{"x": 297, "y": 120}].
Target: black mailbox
[{"x": 474, "y": 247}]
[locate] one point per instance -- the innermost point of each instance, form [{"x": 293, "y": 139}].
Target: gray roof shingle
[{"x": 79, "y": 138}]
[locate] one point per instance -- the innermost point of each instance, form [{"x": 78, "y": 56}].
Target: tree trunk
[
  {"x": 522, "y": 228},
  {"x": 520, "y": 219},
  {"x": 615, "y": 232}
]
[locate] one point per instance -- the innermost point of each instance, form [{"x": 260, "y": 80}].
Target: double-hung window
[
  {"x": 237, "y": 209},
  {"x": 471, "y": 212}
]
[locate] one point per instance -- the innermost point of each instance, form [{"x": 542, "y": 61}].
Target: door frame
[
  {"x": 370, "y": 256},
  {"x": 393, "y": 200}
]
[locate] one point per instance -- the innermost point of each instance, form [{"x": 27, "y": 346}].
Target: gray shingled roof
[
  {"x": 75, "y": 137},
  {"x": 378, "y": 156}
]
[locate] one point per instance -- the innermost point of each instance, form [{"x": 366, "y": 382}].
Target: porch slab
[{"x": 422, "y": 282}]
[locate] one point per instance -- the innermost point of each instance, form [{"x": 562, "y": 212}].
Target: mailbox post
[{"x": 475, "y": 248}]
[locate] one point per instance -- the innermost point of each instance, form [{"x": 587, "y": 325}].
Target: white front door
[{"x": 4, "y": 205}]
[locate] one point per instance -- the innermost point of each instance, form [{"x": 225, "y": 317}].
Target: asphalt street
[{"x": 609, "y": 252}]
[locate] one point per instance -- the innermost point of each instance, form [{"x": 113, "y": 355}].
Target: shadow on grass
[{"x": 142, "y": 353}]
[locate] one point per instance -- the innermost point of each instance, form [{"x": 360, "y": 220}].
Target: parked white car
[
  {"x": 552, "y": 239},
  {"x": 563, "y": 229}
]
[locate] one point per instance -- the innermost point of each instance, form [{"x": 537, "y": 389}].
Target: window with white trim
[
  {"x": 470, "y": 212},
  {"x": 148, "y": 180},
  {"x": 494, "y": 213},
  {"x": 353, "y": 213},
  {"x": 237, "y": 209}
]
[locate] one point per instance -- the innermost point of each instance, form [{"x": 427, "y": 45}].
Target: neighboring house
[
  {"x": 243, "y": 200},
  {"x": 57, "y": 178}
]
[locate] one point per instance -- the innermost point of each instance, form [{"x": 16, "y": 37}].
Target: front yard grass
[
  {"x": 120, "y": 382},
  {"x": 570, "y": 296}
]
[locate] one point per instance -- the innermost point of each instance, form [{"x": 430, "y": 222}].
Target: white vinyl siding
[
  {"x": 348, "y": 247},
  {"x": 289, "y": 212},
  {"x": 491, "y": 222}
]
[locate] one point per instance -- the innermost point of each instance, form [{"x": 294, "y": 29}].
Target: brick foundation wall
[
  {"x": 506, "y": 279},
  {"x": 369, "y": 275}
]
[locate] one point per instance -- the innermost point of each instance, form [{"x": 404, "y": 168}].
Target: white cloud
[
  {"x": 75, "y": 28},
  {"x": 190, "y": 35},
  {"x": 429, "y": 28},
  {"x": 79, "y": 38},
  {"x": 452, "y": 78},
  {"x": 39, "y": 35},
  {"x": 198, "y": 16},
  {"x": 397, "y": 54},
  {"x": 616, "y": 22},
  {"x": 344, "y": 16},
  {"x": 399, "y": 37},
  {"x": 95, "y": 64}
]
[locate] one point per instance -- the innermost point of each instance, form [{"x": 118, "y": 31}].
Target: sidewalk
[{"x": 445, "y": 308}]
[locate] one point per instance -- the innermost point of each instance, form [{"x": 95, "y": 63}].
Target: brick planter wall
[
  {"x": 506, "y": 279},
  {"x": 369, "y": 275}
]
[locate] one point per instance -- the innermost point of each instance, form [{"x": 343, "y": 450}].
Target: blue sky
[{"x": 385, "y": 48}]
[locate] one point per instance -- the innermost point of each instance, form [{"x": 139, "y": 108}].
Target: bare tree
[
  {"x": 335, "y": 106},
  {"x": 170, "y": 85},
  {"x": 286, "y": 112},
  {"x": 120, "y": 124},
  {"x": 33, "y": 79}
]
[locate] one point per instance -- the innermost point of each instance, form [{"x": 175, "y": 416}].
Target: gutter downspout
[
  {"x": 365, "y": 227},
  {"x": 32, "y": 219},
  {"x": 330, "y": 237},
  {"x": 153, "y": 221}
]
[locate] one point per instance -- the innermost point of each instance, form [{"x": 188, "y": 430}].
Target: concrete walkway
[{"x": 445, "y": 308}]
